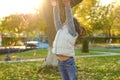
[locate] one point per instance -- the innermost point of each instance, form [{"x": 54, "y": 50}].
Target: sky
[
  {"x": 106, "y": 2},
  {"x": 8, "y": 7}
]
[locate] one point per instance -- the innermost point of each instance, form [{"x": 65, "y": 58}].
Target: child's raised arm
[
  {"x": 56, "y": 13},
  {"x": 69, "y": 18}
]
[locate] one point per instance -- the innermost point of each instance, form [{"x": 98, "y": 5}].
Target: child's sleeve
[
  {"x": 70, "y": 22},
  {"x": 57, "y": 21}
]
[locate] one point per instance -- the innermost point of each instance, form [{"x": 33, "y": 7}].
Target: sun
[{"x": 8, "y": 7}]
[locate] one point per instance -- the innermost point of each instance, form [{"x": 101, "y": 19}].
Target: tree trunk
[
  {"x": 48, "y": 14},
  {"x": 85, "y": 44}
]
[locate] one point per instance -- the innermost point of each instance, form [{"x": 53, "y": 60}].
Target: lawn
[
  {"x": 92, "y": 68},
  {"x": 42, "y": 53},
  {"x": 89, "y": 68},
  {"x": 37, "y": 53}
]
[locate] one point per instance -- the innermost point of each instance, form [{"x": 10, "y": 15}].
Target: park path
[
  {"x": 100, "y": 54},
  {"x": 82, "y": 56}
]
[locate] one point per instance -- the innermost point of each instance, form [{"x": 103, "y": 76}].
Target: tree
[
  {"x": 95, "y": 17},
  {"x": 11, "y": 24},
  {"x": 35, "y": 25},
  {"x": 116, "y": 30},
  {"x": 102, "y": 19},
  {"x": 82, "y": 13},
  {"x": 19, "y": 26},
  {"x": 48, "y": 14},
  {"x": 29, "y": 24}
]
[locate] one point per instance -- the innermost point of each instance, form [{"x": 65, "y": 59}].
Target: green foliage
[
  {"x": 116, "y": 29},
  {"x": 12, "y": 23},
  {"x": 29, "y": 25},
  {"x": 97, "y": 19},
  {"x": 82, "y": 13},
  {"x": 12, "y": 41}
]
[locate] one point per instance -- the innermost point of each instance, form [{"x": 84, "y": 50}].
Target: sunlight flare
[
  {"x": 8, "y": 7},
  {"x": 105, "y": 2},
  {"x": 118, "y": 2}
]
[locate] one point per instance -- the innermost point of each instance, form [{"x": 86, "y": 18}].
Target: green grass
[
  {"x": 42, "y": 53},
  {"x": 92, "y": 68},
  {"x": 99, "y": 68},
  {"x": 37, "y": 53}
]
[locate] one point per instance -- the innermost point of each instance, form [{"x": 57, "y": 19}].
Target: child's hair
[{"x": 80, "y": 30}]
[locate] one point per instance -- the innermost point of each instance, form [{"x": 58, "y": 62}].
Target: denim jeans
[{"x": 68, "y": 69}]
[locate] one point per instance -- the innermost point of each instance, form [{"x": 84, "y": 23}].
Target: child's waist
[{"x": 62, "y": 57}]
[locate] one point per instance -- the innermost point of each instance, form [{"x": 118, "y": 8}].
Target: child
[{"x": 65, "y": 39}]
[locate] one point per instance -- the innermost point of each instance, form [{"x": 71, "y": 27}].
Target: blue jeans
[{"x": 68, "y": 69}]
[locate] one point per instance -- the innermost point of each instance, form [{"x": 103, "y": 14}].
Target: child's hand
[
  {"x": 66, "y": 2},
  {"x": 53, "y": 3}
]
